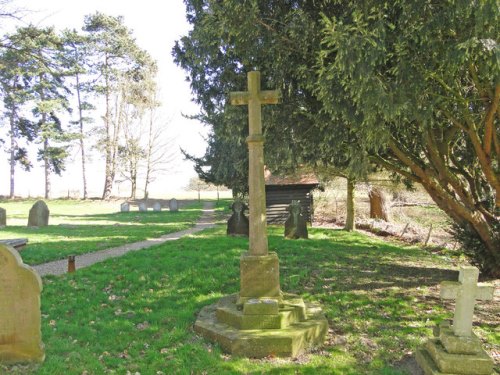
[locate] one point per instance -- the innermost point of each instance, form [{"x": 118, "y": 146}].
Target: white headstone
[
  {"x": 157, "y": 206},
  {"x": 125, "y": 207},
  {"x": 143, "y": 207},
  {"x": 173, "y": 205},
  {"x": 20, "y": 317}
]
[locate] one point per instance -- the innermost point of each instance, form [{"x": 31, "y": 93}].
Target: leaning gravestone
[
  {"x": 143, "y": 207},
  {"x": 456, "y": 349},
  {"x": 157, "y": 206},
  {"x": 125, "y": 207},
  {"x": 3, "y": 217},
  {"x": 173, "y": 205},
  {"x": 39, "y": 215},
  {"x": 295, "y": 224},
  {"x": 20, "y": 317},
  {"x": 238, "y": 224}
]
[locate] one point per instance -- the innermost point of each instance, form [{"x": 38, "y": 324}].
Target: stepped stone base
[
  {"x": 453, "y": 355},
  {"x": 261, "y": 327}
]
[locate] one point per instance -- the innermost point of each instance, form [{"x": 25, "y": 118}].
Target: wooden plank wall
[{"x": 279, "y": 197}]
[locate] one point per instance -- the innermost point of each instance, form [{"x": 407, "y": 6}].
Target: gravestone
[
  {"x": 455, "y": 348},
  {"x": 143, "y": 207},
  {"x": 238, "y": 224},
  {"x": 295, "y": 224},
  {"x": 260, "y": 320},
  {"x": 173, "y": 205},
  {"x": 125, "y": 207},
  {"x": 39, "y": 215},
  {"x": 20, "y": 317},
  {"x": 3, "y": 217},
  {"x": 157, "y": 206}
]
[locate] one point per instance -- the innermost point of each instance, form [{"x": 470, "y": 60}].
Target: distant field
[{"x": 77, "y": 227}]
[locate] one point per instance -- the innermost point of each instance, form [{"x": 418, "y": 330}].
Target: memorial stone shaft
[{"x": 254, "y": 98}]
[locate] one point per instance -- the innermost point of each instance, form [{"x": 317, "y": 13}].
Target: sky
[{"x": 156, "y": 26}]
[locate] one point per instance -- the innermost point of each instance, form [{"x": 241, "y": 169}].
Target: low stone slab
[
  {"x": 20, "y": 316},
  {"x": 258, "y": 343},
  {"x": 457, "y": 344},
  {"x": 16, "y": 243}
]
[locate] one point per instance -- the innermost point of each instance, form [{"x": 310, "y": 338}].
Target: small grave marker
[
  {"x": 466, "y": 291},
  {"x": 173, "y": 205},
  {"x": 295, "y": 224},
  {"x": 143, "y": 207},
  {"x": 456, "y": 349},
  {"x": 20, "y": 317},
  {"x": 157, "y": 206},
  {"x": 238, "y": 224},
  {"x": 39, "y": 215},
  {"x": 3, "y": 217},
  {"x": 125, "y": 207}
]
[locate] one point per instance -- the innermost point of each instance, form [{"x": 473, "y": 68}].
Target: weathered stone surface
[
  {"x": 259, "y": 277},
  {"x": 3, "y": 217},
  {"x": 20, "y": 317},
  {"x": 143, "y": 207},
  {"x": 291, "y": 340},
  {"x": 295, "y": 224},
  {"x": 457, "y": 344},
  {"x": 478, "y": 364},
  {"x": 261, "y": 306},
  {"x": 125, "y": 207},
  {"x": 238, "y": 224},
  {"x": 466, "y": 291},
  {"x": 157, "y": 207},
  {"x": 456, "y": 350},
  {"x": 39, "y": 215},
  {"x": 173, "y": 205}
]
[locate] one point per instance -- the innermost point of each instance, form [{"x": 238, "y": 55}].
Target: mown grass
[
  {"x": 135, "y": 314},
  {"x": 78, "y": 227}
]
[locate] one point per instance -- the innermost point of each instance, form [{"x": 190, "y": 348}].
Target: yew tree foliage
[{"x": 412, "y": 86}]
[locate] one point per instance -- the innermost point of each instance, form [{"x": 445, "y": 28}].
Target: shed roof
[{"x": 296, "y": 179}]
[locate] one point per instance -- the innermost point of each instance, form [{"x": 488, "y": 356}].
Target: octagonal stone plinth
[{"x": 296, "y": 328}]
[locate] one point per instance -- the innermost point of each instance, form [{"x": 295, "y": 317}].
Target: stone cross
[
  {"x": 466, "y": 291},
  {"x": 255, "y": 98}
]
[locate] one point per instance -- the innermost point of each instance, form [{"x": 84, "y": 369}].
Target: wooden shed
[{"x": 280, "y": 191}]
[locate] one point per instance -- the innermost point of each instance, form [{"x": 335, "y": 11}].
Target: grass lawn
[
  {"x": 77, "y": 227},
  {"x": 135, "y": 314}
]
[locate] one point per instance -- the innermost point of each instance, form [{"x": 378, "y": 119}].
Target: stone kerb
[
  {"x": 20, "y": 316},
  {"x": 3, "y": 217},
  {"x": 455, "y": 348},
  {"x": 38, "y": 215}
]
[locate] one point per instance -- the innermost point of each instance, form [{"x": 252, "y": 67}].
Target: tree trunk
[
  {"x": 108, "y": 177},
  {"x": 13, "y": 147},
  {"x": 46, "y": 163},
  {"x": 82, "y": 136},
  {"x": 379, "y": 205},
  {"x": 349, "y": 221}
]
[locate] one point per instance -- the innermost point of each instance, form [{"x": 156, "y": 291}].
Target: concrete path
[{"x": 58, "y": 267}]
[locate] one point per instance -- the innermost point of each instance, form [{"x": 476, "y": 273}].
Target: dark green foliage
[{"x": 410, "y": 86}]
